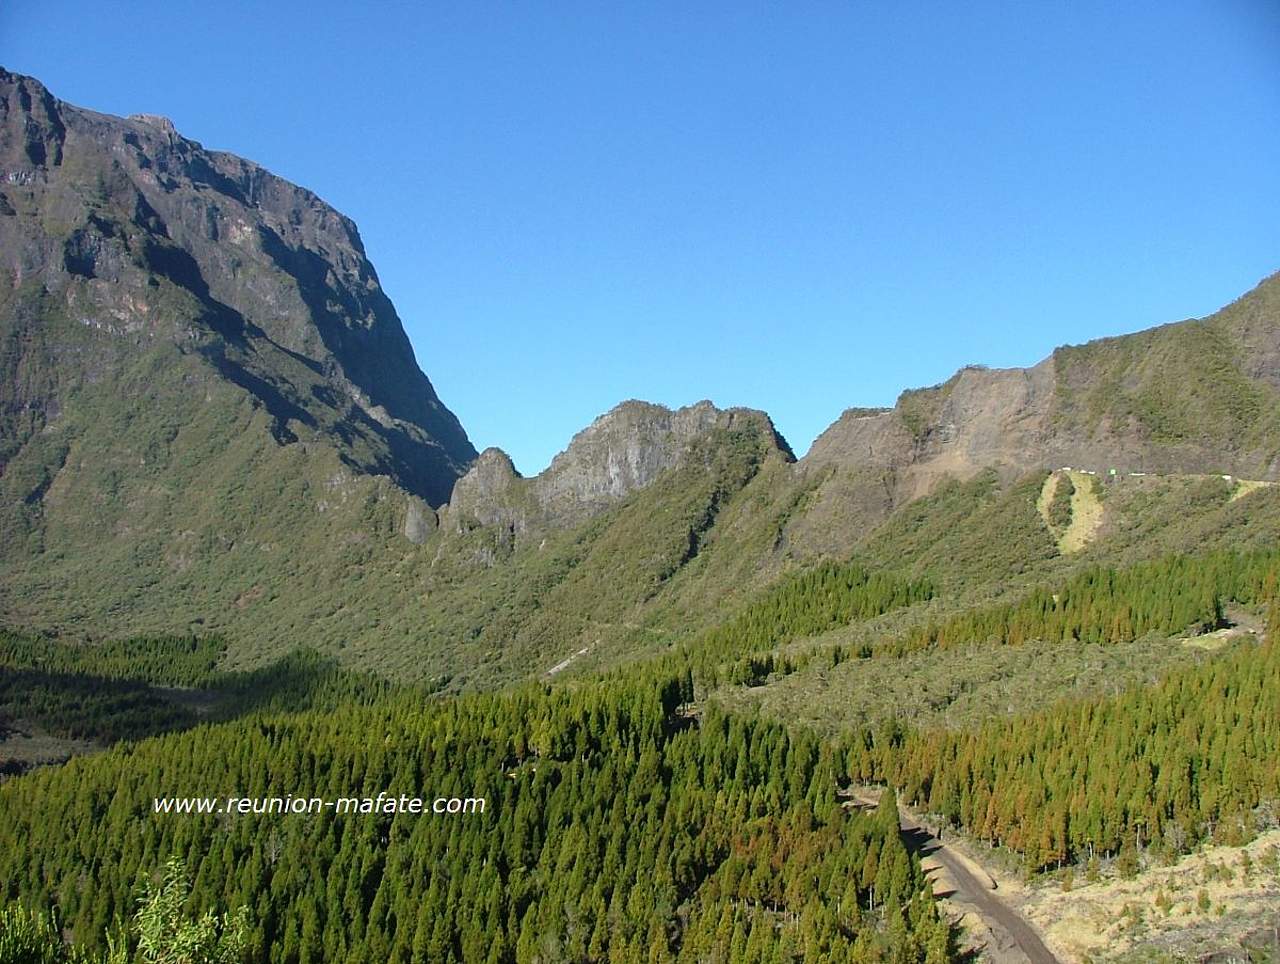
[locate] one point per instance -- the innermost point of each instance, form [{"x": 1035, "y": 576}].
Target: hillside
[
  {"x": 1194, "y": 397},
  {"x": 945, "y": 485}
]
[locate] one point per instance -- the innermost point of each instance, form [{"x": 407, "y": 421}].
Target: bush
[
  {"x": 32, "y": 937},
  {"x": 166, "y": 936}
]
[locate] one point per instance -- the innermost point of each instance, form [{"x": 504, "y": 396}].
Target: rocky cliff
[
  {"x": 119, "y": 237},
  {"x": 1193, "y": 397},
  {"x": 622, "y": 451},
  {"x": 209, "y": 410}
]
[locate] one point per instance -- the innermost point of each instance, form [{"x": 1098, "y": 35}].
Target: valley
[{"x": 247, "y": 552}]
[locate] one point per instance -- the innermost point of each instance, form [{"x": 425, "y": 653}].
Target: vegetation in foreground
[
  {"x": 614, "y": 829},
  {"x": 621, "y": 826}
]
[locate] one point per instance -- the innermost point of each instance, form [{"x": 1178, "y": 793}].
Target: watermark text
[{"x": 383, "y": 803}]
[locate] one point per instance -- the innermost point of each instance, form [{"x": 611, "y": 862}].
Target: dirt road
[{"x": 969, "y": 889}]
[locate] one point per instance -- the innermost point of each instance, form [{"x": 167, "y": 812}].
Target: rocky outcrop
[
  {"x": 492, "y": 493},
  {"x": 979, "y": 418},
  {"x": 622, "y": 451}
]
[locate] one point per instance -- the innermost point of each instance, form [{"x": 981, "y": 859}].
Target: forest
[
  {"x": 629, "y": 817},
  {"x": 1194, "y": 758},
  {"x": 1174, "y": 594},
  {"x": 615, "y": 829}
]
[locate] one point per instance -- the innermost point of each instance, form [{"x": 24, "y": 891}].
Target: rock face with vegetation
[
  {"x": 1197, "y": 396},
  {"x": 126, "y": 245},
  {"x": 621, "y": 452},
  {"x": 200, "y": 376}
]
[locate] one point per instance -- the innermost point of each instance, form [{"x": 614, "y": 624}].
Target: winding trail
[{"x": 564, "y": 663}]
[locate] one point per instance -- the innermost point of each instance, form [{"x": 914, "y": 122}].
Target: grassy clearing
[
  {"x": 1208, "y": 901},
  {"x": 1211, "y": 642},
  {"x": 1086, "y": 513},
  {"x": 24, "y": 745}
]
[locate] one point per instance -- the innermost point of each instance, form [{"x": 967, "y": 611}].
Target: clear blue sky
[{"x": 795, "y": 207}]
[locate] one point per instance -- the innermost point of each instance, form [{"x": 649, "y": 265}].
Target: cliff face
[
  {"x": 1192, "y": 397},
  {"x": 210, "y": 415},
  {"x": 119, "y": 237}
]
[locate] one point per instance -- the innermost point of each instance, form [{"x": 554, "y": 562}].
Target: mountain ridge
[
  {"x": 211, "y": 421},
  {"x": 621, "y": 451},
  {"x": 1072, "y": 408}
]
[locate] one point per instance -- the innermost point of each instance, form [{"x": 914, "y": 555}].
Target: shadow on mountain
[
  {"x": 73, "y": 706},
  {"x": 302, "y": 680},
  {"x": 77, "y": 706}
]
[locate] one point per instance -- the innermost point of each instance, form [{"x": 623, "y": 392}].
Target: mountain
[
  {"x": 954, "y": 483},
  {"x": 622, "y": 451},
  {"x": 1199, "y": 396},
  {"x": 127, "y": 245},
  {"x": 200, "y": 377},
  {"x": 211, "y": 421}
]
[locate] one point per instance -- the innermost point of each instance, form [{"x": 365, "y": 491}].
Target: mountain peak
[
  {"x": 631, "y": 444},
  {"x": 622, "y": 451},
  {"x": 158, "y": 121}
]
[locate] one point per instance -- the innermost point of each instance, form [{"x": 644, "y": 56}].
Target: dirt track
[{"x": 979, "y": 895}]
